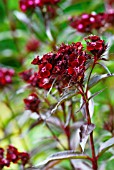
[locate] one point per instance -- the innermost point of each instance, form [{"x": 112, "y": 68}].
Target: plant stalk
[{"x": 94, "y": 158}]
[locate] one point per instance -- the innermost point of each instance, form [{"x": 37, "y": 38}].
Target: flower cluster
[
  {"x": 32, "y": 45},
  {"x": 6, "y": 76},
  {"x": 63, "y": 68},
  {"x": 86, "y": 23},
  {"x": 95, "y": 45},
  {"x": 32, "y": 102},
  {"x": 12, "y": 155},
  {"x": 31, "y": 4},
  {"x": 67, "y": 64}
]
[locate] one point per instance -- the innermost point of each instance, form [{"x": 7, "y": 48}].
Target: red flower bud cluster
[
  {"x": 25, "y": 75},
  {"x": 32, "y": 102},
  {"x": 6, "y": 76},
  {"x": 32, "y": 45},
  {"x": 95, "y": 45},
  {"x": 65, "y": 67},
  {"x": 86, "y": 23},
  {"x": 12, "y": 155},
  {"x": 31, "y": 4}
]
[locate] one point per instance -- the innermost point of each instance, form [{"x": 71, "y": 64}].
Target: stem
[
  {"x": 94, "y": 158},
  {"x": 64, "y": 113},
  {"x": 67, "y": 132}
]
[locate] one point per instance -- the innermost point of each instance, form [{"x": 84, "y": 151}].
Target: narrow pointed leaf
[
  {"x": 85, "y": 131},
  {"x": 22, "y": 17},
  {"x": 95, "y": 79},
  {"x": 105, "y": 146},
  {"x": 105, "y": 67},
  {"x": 63, "y": 155},
  {"x": 62, "y": 99},
  {"x": 97, "y": 93},
  {"x": 91, "y": 105}
]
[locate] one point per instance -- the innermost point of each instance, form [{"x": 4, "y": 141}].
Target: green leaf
[
  {"x": 70, "y": 154},
  {"x": 77, "y": 7},
  {"x": 65, "y": 97},
  {"x": 97, "y": 78},
  {"x": 91, "y": 106},
  {"x": 97, "y": 93},
  {"x": 85, "y": 131},
  {"x": 31, "y": 25},
  {"x": 2, "y": 12},
  {"x": 110, "y": 165},
  {"x": 105, "y": 156},
  {"x": 105, "y": 146},
  {"x": 105, "y": 67}
]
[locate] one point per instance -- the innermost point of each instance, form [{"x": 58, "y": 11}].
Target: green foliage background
[{"x": 14, "y": 121}]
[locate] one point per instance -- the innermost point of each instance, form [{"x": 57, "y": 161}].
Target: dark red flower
[
  {"x": 110, "y": 17},
  {"x": 6, "y": 76},
  {"x": 34, "y": 80},
  {"x": 66, "y": 65},
  {"x": 24, "y": 157},
  {"x": 95, "y": 45},
  {"x": 36, "y": 61},
  {"x": 87, "y": 23},
  {"x": 32, "y": 102},
  {"x": 49, "y": 5},
  {"x": 1, "y": 153},
  {"x": 25, "y": 75},
  {"x": 4, "y": 162},
  {"x": 32, "y": 45},
  {"x": 12, "y": 154},
  {"x": 44, "y": 83}
]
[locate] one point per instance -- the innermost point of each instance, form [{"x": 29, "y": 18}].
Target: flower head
[
  {"x": 32, "y": 45},
  {"x": 67, "y": 65},
  {"x": 1, "y": 153},
  {"x": 25, "y": 75},
  {"x": 24, "y": 157},
  {"x": 49, "y": 5},
  {"x": 6, "y": 76},
  {"x": 95, "y": 45},
  {"x": 4, "y": 162},
  {"x": 87, "y": 23},
  {"x": 12, "y": 154},
  {"x": 32, "y": 102}
]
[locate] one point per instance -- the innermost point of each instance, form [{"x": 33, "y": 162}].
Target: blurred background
[{"x": 23, "y": 36}]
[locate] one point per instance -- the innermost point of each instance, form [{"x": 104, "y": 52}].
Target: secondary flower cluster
[
  {"x": 96, "y": 46},
  {"x": 32, "y": 45},
  {"x": 63, "y": 68},
  {"x": 32, "y": 4},
  {"x": 32, "y": 102},
  {"x": 12, "y": 155},
  {"x": 6, "y": 76},
  {"x": 86, "y": 23}
]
